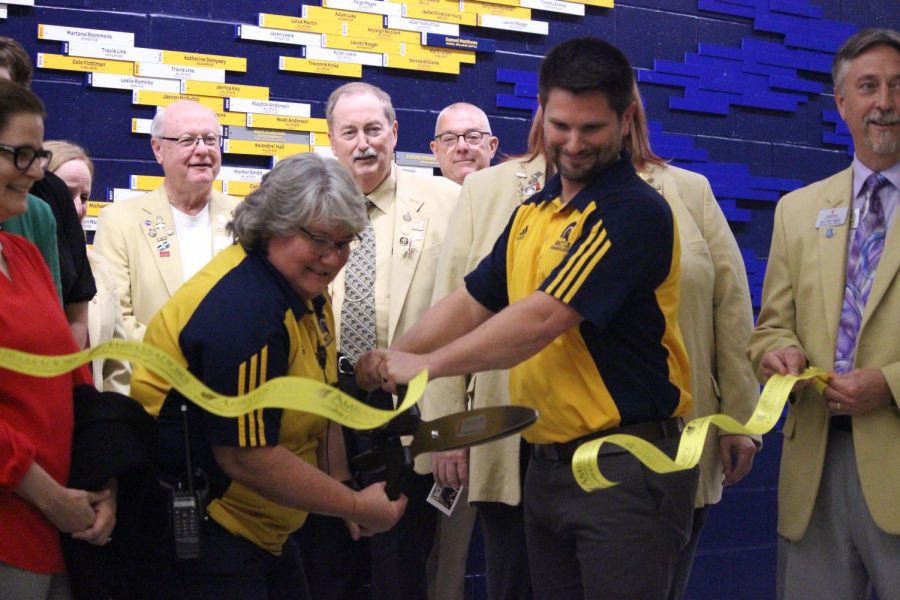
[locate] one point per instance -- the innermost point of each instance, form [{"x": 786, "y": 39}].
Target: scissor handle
[{"x": 387, "y": 453}]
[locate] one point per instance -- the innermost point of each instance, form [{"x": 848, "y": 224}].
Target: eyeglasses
[
  {"x": 473, "y": 138},
  {"x": 324, "y": 246},
  {"x": 24, "y": 156},
  {"x": 210, "y": 140}
]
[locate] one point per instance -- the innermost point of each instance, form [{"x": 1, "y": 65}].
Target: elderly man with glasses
[
  {"x": 463, "y": 142},
  {"x": 159, "y": 240}
]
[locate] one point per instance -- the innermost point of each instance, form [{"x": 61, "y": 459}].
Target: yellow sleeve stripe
[
  {"x": 251, "y": 385},
  {"x": 242, "y": 389},
  {"x": 261, "y": 426},
  {"x": 595, "y": 258},
  {"x": 580, "y": 264},
  {"x": 251, "y": 375},
  {"x": 263, "y": 363}
]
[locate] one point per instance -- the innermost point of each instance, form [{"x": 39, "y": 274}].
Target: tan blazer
[
  {"x": 148, "y": 269},
  {"x": 486, "y": 202},
  {"x": 715, "y": 312},
  {"x": 802, "y": 297},
  {"x": 105, "y": 323}
]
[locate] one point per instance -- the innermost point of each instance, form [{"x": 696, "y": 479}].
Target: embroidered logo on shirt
[
  {"x": 562, "y": 244},
  {"x": 522, "y": 233}
]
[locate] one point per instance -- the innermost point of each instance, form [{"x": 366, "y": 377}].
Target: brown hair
[
  {"x": 14, "y": 57},
  {"x": 637, "y": 142}
]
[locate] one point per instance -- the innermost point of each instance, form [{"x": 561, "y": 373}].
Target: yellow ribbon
[
  {"x": 768, "y": 410},
  {"x": 294, "y": 393}
]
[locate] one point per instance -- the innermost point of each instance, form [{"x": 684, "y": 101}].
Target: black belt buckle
[
  {"x": 345, "y": 367},
  {"x": 347, "y": 378}
]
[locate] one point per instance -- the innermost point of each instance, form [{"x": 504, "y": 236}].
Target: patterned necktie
[
  {"x": 862, "y": 262},
  {"x": 358, "y": 309}
]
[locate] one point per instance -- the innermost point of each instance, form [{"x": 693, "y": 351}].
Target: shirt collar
[
  {"x": 383, "y": 195},
  {"x": 861, "y": 172}
]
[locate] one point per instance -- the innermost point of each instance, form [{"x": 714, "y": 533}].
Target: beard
[
  {"x": 883, "y": 142},
  {"x": 588, "y": 166}
]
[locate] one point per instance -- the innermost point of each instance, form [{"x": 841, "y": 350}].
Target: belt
[{"x": 652, "y": 431}]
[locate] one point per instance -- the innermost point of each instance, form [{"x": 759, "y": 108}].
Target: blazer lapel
[
  {"x": 886, "y": 272},
  {"x": 163, "y": 243},
  {"x": 219, "y": 217},
  {"x": 410, "y": 229},
  {"x": 832, "y": 255}
]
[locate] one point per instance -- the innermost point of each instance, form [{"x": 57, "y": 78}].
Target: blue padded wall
[{"x": 738, "y": 90}]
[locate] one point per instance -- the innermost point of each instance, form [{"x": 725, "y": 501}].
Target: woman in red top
[{"x": 36, "y": 414}]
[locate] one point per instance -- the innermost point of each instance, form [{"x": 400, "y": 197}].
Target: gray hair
[
  {"x": 855, "y": 45},
  {"x": 360, "y": 87},
  {"x": 301, "y": 190},
  {"x": 462, "y": 106},
  {"x": 158, "y": 122}
]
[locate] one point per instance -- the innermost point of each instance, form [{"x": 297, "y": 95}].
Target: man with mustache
[
  {"x": 384, "y": 289},
  {"x": 830, "y": 300},
  {"x": 159, "y": 240}
]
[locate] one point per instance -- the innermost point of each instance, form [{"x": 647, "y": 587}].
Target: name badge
[{"x": 831, "y": 217}]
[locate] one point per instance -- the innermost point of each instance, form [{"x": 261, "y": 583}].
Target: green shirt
[{"x": 38, "y": 226}]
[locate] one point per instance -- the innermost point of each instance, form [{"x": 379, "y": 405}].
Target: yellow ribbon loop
[
  {"x": 294, "y": 393},
  {"x": 768, "y": 410}
]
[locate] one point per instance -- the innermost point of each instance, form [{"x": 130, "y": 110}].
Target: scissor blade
[{"x": 464, "y": 429}]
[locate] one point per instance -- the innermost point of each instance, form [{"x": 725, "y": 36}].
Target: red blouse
[{"x": 36, "y": 413}]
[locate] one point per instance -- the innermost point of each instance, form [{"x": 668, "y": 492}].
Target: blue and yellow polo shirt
[
  {"x": 612, "y": 254},
  {"x": 235, "y": 325}
]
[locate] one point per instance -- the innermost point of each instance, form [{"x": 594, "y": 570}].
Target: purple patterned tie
[{"x": 865, "y": 252}]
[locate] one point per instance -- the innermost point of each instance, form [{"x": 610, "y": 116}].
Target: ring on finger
[{"x": 837, "y": 406}]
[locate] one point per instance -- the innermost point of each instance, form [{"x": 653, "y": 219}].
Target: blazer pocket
[{"x": 700, "y": 246}]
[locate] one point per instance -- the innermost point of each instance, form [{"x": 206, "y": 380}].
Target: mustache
[
  {"x": 368, "y": 153},
  {"x": 881, "y": 117}
]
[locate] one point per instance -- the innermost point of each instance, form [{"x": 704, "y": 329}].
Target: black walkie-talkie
[{"x": 186, "y": 508}]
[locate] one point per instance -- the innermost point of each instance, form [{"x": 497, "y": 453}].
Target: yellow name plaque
[
  {"x": 289, "y": 123},
  {"x": 164, "y": 99},
  {"x": 422, "y": 63},
  {"x": 281, "y": 150},
  {"x": 85, "y": 65},
  {"x": 239, "y": 188},
  {"x": 224, "y": 90},
  {"x": 319, "y": 67},
  {"x": 300, "y": 24},
  {"x": 209, "y": 61}
]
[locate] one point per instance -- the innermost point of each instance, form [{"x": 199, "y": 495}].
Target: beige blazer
[
  {"x": 105, "y": 323},
  {"x": 714, "y": 313},
  {"x": 487, "y": 200},
  {"x": 148, "y": 269},
  {"x": 802, "y": 297}
]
